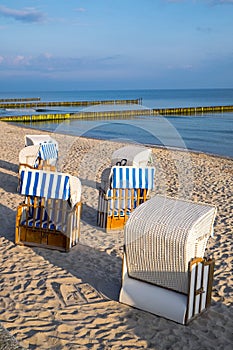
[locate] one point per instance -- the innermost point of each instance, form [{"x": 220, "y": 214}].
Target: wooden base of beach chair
[
  {"x": 42, "y": 238},
  {"x": 110, "y": 217},
  {"x": 167, "y": 303},
  {"x": 111, "y": 222},
  {"x": 116, "y": 223}
]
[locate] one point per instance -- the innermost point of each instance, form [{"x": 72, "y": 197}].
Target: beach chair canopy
[
  {"x": 48, "y": 151},
  {"x": 132, "y": 177},
  {"x": 52, "y": 185},
  {"x": 132, "y": 155},
  {"x": 161, "y": 237},
  {"x": 127, "y": 177},
  {"x": 39, "y": 139}
]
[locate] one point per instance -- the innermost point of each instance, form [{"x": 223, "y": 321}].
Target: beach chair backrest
[
  {"x": 48, "y": 151},
  {"x": 132, "y": 177},
  {"x": 46, "y": 184}
]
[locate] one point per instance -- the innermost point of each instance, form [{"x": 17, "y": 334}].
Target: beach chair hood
[
  {"x": 132, "y": 177},
  {"x": 52, "y": 185}
]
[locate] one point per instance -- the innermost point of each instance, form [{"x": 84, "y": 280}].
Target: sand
[{"x": 55, "y": 300}]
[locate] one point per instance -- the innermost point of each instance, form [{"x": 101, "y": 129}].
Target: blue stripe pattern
[
  {"x": 44, "y": 184},
  {"x": 126, "y": 200},
  {"x": 48, "y": 151},
  {"x": 133, "y": 177}
]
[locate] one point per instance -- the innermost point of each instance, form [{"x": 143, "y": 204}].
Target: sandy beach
[{"x": 55, "y": 300}]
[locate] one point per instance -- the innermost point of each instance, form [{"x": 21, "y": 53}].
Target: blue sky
[{"x": 115, "y": 44}]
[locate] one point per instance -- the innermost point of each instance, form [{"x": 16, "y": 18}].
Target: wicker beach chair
[
  {"x": 122, "y": 189},
  {"x": 132, "y": 155},
  {"x": 43, "y": 156},
  {"x": 164, "y": 269},
  {"x": 50, "y": 214},
  {"x": 39, "y": 139}
]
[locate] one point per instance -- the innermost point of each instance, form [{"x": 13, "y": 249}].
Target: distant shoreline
[{"x": 145, "y": 144}]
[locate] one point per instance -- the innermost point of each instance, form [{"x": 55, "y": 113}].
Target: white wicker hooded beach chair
[
  {"x": 39, "y": 139},
  {"x": 132, "y": 155},
  {"x": 164, "y": 270},
  {"x": 122, "y": 189},
  {"x": 50, "y": 214}
]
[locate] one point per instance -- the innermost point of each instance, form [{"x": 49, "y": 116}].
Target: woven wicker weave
[
  {"x": 133, "y": 154},
  {"x": 161, "y": 237},
  {"x": 39, "y": 139},
  {"x": 28, "y": 155}
]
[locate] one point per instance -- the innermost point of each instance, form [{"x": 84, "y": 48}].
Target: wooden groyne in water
[
  {"x": 68, "y": 103},
  {"x": 193, "y": 110},
  {"x": 10, "y": 100},
  {"x": 119, "y": 113}
]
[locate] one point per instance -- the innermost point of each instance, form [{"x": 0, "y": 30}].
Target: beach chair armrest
[
  {"x": 26, "y": 166},
  {"x": 20, "y": 212},
  {"x": 103, "y": 193},
  {"x": 73, "y": 210}
]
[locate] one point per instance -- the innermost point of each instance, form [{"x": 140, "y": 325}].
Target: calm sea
[{"x": 209, "y": 133}]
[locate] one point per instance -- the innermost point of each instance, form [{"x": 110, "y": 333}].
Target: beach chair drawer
[{"x": 48, "y": 239}]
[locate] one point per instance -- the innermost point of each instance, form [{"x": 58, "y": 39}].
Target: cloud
[
  {"x": 224, "y": 1},
  {"x": 42, "y": 62},
  {"x": 221, "y": 2},
  {"x": 27, "y": 15},
  {"x": 48, "y": 64},
  {"x": 80, "y": 9},
  {"x": 19, "y": 60}
]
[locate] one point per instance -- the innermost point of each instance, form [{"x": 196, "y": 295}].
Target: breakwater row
[
  {"x": 119, "y": 113},
  {"x": 10, "y": 100},
  {"x": 193, "y": 110},
  {"x": 67, "y": 103}
]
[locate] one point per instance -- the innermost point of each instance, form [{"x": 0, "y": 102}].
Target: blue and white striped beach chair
[
  {"x": 42, "y": 156},
  {"x": 50, "y": 214},
  {"x": 128, "y": 187}
]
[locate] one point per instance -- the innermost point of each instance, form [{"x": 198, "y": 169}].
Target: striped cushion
[
  {"x": 44, "y": 224},
  {"x": 48, "y": 151},
  {"x": 48, "y": 216},
  {"x": 44, "y": 184},
  {"x": 132, "y": 177}
]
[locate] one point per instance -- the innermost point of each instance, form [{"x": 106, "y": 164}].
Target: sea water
[{"x": 210, "y": 133}]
